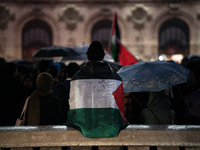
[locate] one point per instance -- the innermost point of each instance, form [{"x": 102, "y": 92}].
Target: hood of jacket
[
  {"x": 96, "y": 70},
  {"x": 158, "y": 99},
  {"x": 44, "y": 83}
]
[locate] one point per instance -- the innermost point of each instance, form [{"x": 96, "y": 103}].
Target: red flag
[
  {"x": 124, "y": 56},
  {"x": 119, "y": 52}
]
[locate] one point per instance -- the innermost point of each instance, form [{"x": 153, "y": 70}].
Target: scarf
[{"x": 44, "y": 83}]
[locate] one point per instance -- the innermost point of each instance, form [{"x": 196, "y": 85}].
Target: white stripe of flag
[{"x": 93, "y": 93}]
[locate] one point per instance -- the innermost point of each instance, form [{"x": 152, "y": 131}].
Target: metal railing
[{"x": 134, "y": 137}]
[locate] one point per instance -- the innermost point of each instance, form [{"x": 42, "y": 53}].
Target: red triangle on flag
[
  {"x": 124, "y": 56},
  {"x": 119, "y": 97},
  {"x": 119, "y": 51}
]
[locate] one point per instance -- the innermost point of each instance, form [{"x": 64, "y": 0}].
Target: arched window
[
  {"x": 35, "y": 34},
  {"x": 174, "y": 37},
  {"x": 101, "y": 32}
]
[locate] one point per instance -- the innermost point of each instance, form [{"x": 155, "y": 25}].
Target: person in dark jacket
[
  {"x": 29, "y": 87},
  {"x": 61, "y": 90},
  {"x": 158, "y": 109},
  {"x": 44, "y": 108},
  {"x": 11, "y": 94}
]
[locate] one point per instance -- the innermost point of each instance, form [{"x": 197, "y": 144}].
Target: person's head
[
  {"x": 44, "y": 65},
  {"x": 27, "y": 81},
  {"x": 196, "y": 74},
  {"x": 71, "y": 69},
  {"x": 10, "y": 69},
  {"x": 44, "y": 83},
  {"x": 160, "y": 98},
  {"x": 54, "y": 71},
  {"x": 95, "y": 51}
]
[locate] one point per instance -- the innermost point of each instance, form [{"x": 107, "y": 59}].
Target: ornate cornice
[
  {"x": 106, "y": 10},
  {"x": 174, "y": 8},
  {"x": 139, "y": 16},
  {"x": 37, "y": 10},
  {"x": 71, "y": 17},
  {"x": 101, "y": 1}
]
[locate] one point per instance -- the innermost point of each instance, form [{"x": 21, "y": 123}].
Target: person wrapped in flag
[{"x": 96, "y": 98}]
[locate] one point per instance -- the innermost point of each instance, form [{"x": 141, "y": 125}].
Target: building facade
[{"x": 148, "y": 28}]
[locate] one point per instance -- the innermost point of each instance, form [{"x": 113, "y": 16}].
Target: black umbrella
[
  {"x": 82, "y": 49},
  {"x": 25, "y": 66},
  {"x": 55, "y": 51}
]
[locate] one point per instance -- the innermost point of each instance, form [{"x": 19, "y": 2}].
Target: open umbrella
[
  {"x": 55, "y": 51},
  {"x": 152, "y": 76},
  {"x": 82, "y": 49},
  {"x": 25, "y": 66}
]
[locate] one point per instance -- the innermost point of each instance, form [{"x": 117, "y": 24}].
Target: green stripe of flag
[{"x": 96, "y": 122}]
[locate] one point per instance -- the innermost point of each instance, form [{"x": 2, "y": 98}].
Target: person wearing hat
[
  {"x": 95, "y": 52},
  {"x": 96, "y": 97}
]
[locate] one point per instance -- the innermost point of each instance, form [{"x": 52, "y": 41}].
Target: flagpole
[
  {"x": 115, "y": 36},
  {"x": 111, "y": 33},
  {"x": 118, "y": 51}
]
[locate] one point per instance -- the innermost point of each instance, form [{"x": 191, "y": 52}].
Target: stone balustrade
[{"x": 134, "y": 137}]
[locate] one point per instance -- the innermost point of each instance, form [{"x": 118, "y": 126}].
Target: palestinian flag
[
  {"x": 119, "y": 52},
  {"x": 114, "y": 39},
  {"x": 124, "y": 56},
  {"x": 97, "y": 107}
]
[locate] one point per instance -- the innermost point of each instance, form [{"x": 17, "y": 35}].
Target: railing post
[
  {"x": 192, "y": 148},
  {"x": 80, "y": 148},
  {"x": 168, "y": 148},
  {"x": 109, "y": 148},
  {"x": 138, "y": 147},
  {"x": 50, "y": 148},
  {"x": 22, "y": 148}
]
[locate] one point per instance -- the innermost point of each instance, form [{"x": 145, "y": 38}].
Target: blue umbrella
[
  {"x": 55, "y": 51},
  {"x": 152, "y": 76}
]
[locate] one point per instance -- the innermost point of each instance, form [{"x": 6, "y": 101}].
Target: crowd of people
[
  {"x": 57, "y": 96},
  {"x": 44, "y": 83}
]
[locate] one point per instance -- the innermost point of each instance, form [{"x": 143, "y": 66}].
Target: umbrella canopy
[
  {"x": 25, "y": 66},
  {"x": 152, "y": 76},
  {"x": 24, "y": 63},
  {"x": 82, "y": 49},
  {"x": 55, "y": 51}
]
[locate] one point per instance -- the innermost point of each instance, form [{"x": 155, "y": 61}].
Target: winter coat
[
  {"x": 61, "y": 90},
  {"x": 11, "y": 100},
  {"x": 158, "y": 111},
  {"x": 43, "y": 107}
]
